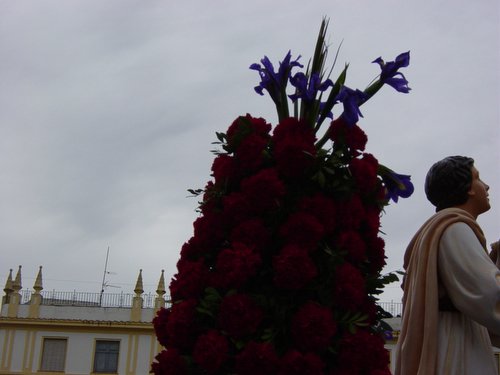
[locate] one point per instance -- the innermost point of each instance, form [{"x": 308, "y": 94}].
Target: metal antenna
[{"x": 104, "y": 277}]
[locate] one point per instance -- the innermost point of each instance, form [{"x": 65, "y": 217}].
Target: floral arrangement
[{"x": 282, "y": 273}]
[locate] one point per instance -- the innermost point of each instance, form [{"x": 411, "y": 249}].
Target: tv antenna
[{"x": 105, "y": 284}]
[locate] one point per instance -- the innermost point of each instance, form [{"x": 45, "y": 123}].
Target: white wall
[{"x": 80, "y": 349}]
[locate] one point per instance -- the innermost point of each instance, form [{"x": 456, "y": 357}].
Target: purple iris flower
[
  {"x": 322, "y": 106},
  {"x": 351, "y": 99},
  {"x": 388, "y": 335},
  {"x": 390, "y": 74},
  {"x": 274, "y": 82},
  {"x": 308, "y": 89},
  {"x": 397, "y": 185}
]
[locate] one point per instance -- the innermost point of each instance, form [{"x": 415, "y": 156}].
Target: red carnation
[
  {"x": 352, "y": 242},
  {"x": 169, "y": 362},
  {"x": 236, "y": 207},
  {"x": 211, "y": 351},
  {"x": 239, "y": 315},
  {"x": 235, "y": 265},
  {"x": 321, "y": 207},
  {"x": 257, "y": 358},
  {"x": 376, "y": 253},
  {"x": 302, "y": 229},
  {"x": 355, "y": 348},
  {"x": 191, "y": 250},
  {"x": 243, "y": 126},
  {"x": 364, "y": 171},
  {"x": 189, "y": 281},
  {"x": 350, "y": 213},
  {"x": 181, "y": 325},
  {"x": 341, "y": 133},
  {"x": 296, "y": 363},
  {"x": 294, "y": 157},
  {"x": 250, "y": 153},
  {"x": 371, "y": 222},
  {"x": 349, "y": 289},
  {"x": 294, "y": 148},
  {"x": 253, "y": 233},
  {"x": 313, "y": 327},
  {"x": 257, "y": 125},
  {"x": 210, "y": 198},
  {"x": 293, "y": 268},
  {"x": 264, "y": 190},
  {"x": 160, "y": 325},
  {"x": 209, "y": 229},
  {"x": 291, "y": 127},
  {"x": 223, "y": 168}
]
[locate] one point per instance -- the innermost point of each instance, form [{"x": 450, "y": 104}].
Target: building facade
[
  {"x": 77, "y": 333},
  {"x": 71, "y": 333}
]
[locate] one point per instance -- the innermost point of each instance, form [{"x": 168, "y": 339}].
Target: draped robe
[{"x": 451, "y": 300}]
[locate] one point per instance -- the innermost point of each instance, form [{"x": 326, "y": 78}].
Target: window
[
  {"x": 53, "y": 354},
  {"x": 106, "y": 356}
]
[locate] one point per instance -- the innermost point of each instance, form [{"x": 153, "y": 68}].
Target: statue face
[{"x": 478, "y": 194}]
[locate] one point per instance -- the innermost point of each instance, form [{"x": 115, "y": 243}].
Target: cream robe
[
  {"x": 434, "y": 342},
  {"x": 472, "y": 283}
]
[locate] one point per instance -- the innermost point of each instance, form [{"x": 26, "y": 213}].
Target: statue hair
[{"x": 448, "y": 181}]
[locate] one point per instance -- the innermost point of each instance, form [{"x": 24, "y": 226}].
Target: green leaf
[
  {"x": 205, "y": 311},
  {"x": 319, "y": 177},
  {"x": 320, "y": 51},
  {"x": 389, "y": 278},
  {"x": 221, "y": 136},
  {"x": 239, "y": 344},
  {"x": 330, "y": 102},
  {"x": 195, "y": 192}
]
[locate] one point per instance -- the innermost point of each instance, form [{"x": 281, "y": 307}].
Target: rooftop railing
[
  {"x": 89, "y": 299},
  {"x": 393, "y": 308}
]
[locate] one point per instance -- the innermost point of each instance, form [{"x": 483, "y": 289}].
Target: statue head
[{"x": 448, "y": 181}]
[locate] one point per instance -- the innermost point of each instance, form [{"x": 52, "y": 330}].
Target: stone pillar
[
  {"x": 8, "y": 291},
  {"x": 36, "y": 297},
  {"x": 15, "y": 296},
  {"x": 160, "y": 291},
  {"x": 137, "y": 301}
]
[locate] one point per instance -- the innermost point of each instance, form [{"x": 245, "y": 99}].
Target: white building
[
  {"x": 71, "y": 333},
  {"x": 77, "y": 333}
]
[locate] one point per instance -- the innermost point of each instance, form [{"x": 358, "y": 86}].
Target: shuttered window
[
  {"x": 106, "y": 356},
  {"x": 53, "y": 354}
]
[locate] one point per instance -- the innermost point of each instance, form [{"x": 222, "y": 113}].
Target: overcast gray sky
[{"x": 108, "y": 110}]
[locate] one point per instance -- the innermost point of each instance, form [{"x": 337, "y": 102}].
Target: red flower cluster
[
  {"x": 297, "y": 363},
  {"x": 235, "y": 265},
  {"x": 353, "y": 349},
  {"x": 364, "y": 171},
  {"x": 293, "y": 268},
  {"x": 302, "y": 229},
  {"x": 349, "y": 290},
  {"x": 313, "y": 327},
  {"x": 257, "y": 358},
  {"x": 284, "y": 266},
  {"x": 239, "y": 315},
  {"x": 348, "y": 136},
  {"x": 273, "y": 280},
  {"x": 211, "y": 351},
  {"x": 169, "y": 362},
  {"x": 295, "y": 150}
]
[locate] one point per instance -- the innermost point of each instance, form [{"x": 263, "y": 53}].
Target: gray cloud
[{"x": 108, "y": 111}]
